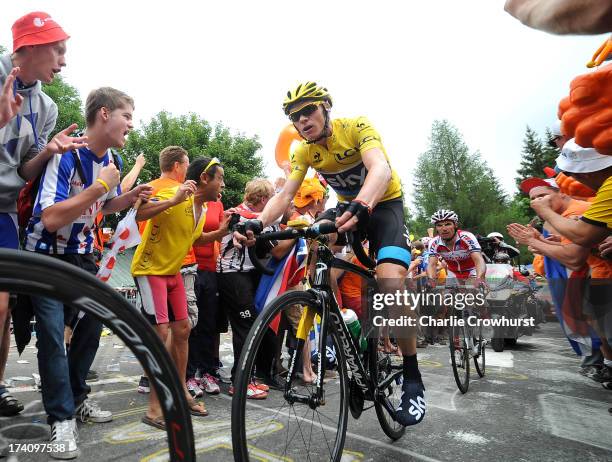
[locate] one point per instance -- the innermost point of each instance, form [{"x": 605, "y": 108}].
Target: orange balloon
[
  {"x": 586, "y": 113},
  {"x": 287, "y": 136}
]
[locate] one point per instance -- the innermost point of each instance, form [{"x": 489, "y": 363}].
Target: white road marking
[
  {"x": 501, "y": 359},
  {"x": 496, "y": 382},
  {"x": 467, "y": 437},
  {"x": 122, "y": 379},
  {"x": 576, "y": 419}
]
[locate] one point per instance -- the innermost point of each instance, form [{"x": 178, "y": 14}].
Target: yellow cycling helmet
[{"x": 308, "y": 91}]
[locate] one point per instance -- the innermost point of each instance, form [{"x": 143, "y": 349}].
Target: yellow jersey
[
  {"x": 340, "y": 162},
  {"x": 600, "y": 211},
  {"x": 168, "y": 237}
]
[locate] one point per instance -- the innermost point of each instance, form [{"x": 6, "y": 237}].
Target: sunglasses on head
[
  {"x": 213, "y": 161},
  {"x": 306, "y": 111}
]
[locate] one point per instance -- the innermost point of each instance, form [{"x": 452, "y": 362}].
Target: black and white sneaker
[
  {"x": 412, "y": 403},
  {"x": 63, "y": 442},
  {"x": 89, "y": 411}
]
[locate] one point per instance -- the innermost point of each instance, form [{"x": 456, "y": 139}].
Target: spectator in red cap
[{"x": 27, "y": 117}]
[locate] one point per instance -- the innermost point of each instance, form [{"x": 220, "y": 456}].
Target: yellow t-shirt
[
  {"x": 167, "y": 238},
  {"x": 600, "y": 211},
  {"x": 341, "y": 164}
]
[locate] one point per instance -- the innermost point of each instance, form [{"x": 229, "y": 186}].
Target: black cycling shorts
[{"x": 386, "y": 232}]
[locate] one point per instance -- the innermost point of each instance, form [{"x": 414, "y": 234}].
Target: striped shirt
[{"x": 59, "y": 182}]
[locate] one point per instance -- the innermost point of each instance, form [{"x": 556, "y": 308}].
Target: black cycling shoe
[{"x": 412, "y": 404}]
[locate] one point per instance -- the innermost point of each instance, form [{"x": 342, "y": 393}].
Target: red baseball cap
[
  {"x": 530, "y": 183},
  {"x": 36, "y": 28}
]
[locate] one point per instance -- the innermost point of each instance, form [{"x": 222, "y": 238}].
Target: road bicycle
[
  {"x": 466, "y": 339},
  {"x": 308, "y": 421}
]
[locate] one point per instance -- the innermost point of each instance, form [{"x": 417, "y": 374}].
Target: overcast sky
[{"x": 401, "y": 63}]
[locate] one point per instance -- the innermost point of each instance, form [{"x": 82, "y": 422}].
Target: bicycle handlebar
[{"x": 312, "y": 232}]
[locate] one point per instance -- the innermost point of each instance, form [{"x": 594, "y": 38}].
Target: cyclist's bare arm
[
  {"x": 563, "y": 16},
  {"x": 279, "y": 202},
  {"x": 377, "y": 179},
  {"x": 481, "y": 266}
]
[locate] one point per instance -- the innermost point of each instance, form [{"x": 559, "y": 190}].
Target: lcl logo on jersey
[{"x": 345, "y": 157}]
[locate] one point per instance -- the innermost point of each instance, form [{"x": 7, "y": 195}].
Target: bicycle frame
[
  {"x": 330, "y": 312},
  {"x": 465, "y": 314}
]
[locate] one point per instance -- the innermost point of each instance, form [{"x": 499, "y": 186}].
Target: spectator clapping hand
[{"x": 522, "y": 234}]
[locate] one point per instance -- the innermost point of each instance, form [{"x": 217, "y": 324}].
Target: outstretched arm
[{"x": 563, "y": 16}]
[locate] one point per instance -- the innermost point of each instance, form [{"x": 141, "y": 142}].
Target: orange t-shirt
[
  {"x": 600, "y": 268},
  {"x": 538, "y": 265},
  {"x": 350, "y": 283},
  {"x": 158, "y": 185}
]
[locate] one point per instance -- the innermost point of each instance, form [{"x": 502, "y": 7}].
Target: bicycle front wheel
[
  {"x": 285, "y": 424},
  {"x": 459, "y": 353},
  {"x": 479, "y": 358}
]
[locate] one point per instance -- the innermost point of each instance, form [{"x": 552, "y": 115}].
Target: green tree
[
  {"x": 238, "y": 153},
  {"x": 536, "y": 156},
  {"x": 69, "y": 104},
  {"x": 449, "y": 176}
]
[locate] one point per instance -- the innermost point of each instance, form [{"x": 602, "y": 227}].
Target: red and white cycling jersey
[{"x": 459, "y": 258}]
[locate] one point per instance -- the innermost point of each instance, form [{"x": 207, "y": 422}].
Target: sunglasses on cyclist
[{"x": 306, "y": 111}]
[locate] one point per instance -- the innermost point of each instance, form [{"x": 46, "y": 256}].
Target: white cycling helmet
[
  {"x": 496, "y": 234},
  {"x": 444, "y": 215}
]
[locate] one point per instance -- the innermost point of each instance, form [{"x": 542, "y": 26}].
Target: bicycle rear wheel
[
  {"x": 280, "y": 425},
  {"x": 384, "y": 369},
  {"x": 41, "y": 275},
  {"x": 459, "y": 353},
  {"x": 479, "y": 359}
]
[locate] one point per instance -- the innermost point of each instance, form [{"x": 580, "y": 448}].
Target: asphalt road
[{"x": 532, "y": 405}]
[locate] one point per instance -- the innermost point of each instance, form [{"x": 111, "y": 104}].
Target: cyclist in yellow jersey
[{"x": 350, "y": 155}]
